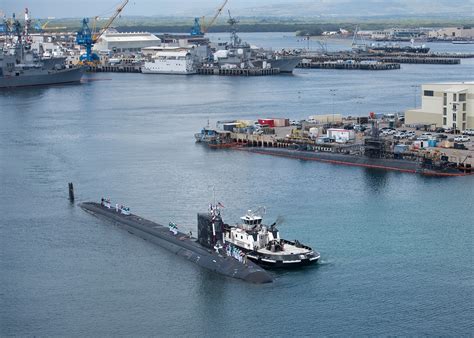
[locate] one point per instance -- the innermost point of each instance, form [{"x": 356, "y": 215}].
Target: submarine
[{"x": 205, "y": 251}]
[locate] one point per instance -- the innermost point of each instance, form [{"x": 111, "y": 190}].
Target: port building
[
  {"x": 453, "y": 33},
  {"x": 113, "y": 41},
  {"x": 447, "y": 105}
]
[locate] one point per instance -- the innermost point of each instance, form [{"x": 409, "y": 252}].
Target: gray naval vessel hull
[
  {"x": 286, "y": 64},
  {"x": 181, "y": 245},
  {"x": 360, "y": 161},
  {"x": 67, "y": 75}
]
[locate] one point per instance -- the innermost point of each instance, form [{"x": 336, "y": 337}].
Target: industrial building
[
  {"x": 113, "y": 41},
  {"x": 452, "y": 33},
  {"x": 447, "y": 105}
]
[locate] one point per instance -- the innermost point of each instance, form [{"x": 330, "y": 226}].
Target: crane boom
[
  {"x": 111, "y": 19},
  {"x": 214, "y": 18}
]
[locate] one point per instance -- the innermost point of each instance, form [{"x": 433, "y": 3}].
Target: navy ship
[
  {"x": 21, "y": 66},
  {"x": 240, "y": 54},
  {"x": 207, "y": 250}
]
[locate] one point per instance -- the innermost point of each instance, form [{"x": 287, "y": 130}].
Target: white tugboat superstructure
[{"x": 263, "y": 245}]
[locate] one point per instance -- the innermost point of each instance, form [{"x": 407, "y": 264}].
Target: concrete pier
[
  {"x": 115, "y": 69},
  {"x": 350, "y": 65},
  {"x": 238, "y": 71}
]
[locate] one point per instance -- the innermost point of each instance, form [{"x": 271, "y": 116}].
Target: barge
[{"x": 206, "y": 251}]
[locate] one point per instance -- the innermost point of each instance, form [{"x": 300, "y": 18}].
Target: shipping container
[
  {"x": 281, "y": 122},
  {"x": 268, "y": 122},
  {"x": 230, "y": 126},
  {"x": 400, "y": 148},
  {"x": 341, "y": 135}
]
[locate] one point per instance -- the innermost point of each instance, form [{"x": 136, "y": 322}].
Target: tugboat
[
  {"x": 262, "y": 243},
  {"x": 214, "y": 138}
]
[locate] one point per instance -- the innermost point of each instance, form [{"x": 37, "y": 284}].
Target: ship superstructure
[
  {"x": 262, "y": 243},
  {"x": 240, "y": 54},
  {"x": 20, "y": 65}
]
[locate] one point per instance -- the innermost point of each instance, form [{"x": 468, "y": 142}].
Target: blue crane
[{"x": 87, "y": 37}]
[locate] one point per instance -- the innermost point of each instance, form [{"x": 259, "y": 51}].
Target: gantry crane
[
  {"x": 88, "y": 37},
  {"x": 200, "y": 27}
]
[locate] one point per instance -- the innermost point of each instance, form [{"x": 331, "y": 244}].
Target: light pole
[{"x": 333, "y": 94}]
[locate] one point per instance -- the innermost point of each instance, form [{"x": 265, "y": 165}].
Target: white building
[
  {"x": 447, "y": 105},
  {"x": 112, "y": 41}
]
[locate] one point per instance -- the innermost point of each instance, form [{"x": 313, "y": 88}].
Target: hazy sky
[
  {"x": 90, "y": 8},
  {"x": 79, "y": 8}
]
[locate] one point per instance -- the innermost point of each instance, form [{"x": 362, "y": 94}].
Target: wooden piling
[{"x": 71, "y": 192}]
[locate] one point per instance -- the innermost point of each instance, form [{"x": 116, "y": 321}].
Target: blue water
[{"x": 396, "y": 248}]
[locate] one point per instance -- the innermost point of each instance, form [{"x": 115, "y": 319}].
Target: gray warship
[
  {"x": 240, "y": 54},
  {"x": 22, "y": 66}
]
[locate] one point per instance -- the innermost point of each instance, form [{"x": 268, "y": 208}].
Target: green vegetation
[{"x": 311, "y": 26}]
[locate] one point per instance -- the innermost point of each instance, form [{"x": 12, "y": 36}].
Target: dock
[
  {"x": 115, "y": 69},
  {"x": 238, "y": 71},
  {"x": 350, "y": 65},
  {"x": 442, "y": 59}
]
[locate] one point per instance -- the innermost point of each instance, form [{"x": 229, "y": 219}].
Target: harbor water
[{"x": 396, "y": 249}]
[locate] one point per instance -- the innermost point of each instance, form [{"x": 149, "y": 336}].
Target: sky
[
  {"x": 197, "y": 8},
  {"x": 79, "y": 8}
]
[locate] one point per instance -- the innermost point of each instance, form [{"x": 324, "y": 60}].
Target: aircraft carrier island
[{"x": 206, "y": 250}]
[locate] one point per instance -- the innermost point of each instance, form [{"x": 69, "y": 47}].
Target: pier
[
  {"x": 382, "y": 59},
  {"x": 115, "y": 69},
  {"x": 238, "y": 71},
  {"x": 350, "y": 65}
]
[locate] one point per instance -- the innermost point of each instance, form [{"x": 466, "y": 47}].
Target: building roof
[
  {"x": 130, "y": 37},
  {"x": 170, "y": 53},
  {"x": 455, "y": 90},
  {"x": 468, "y": 83}
]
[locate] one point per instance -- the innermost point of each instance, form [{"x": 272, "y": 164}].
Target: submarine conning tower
[{"x": 210, "y": 229}]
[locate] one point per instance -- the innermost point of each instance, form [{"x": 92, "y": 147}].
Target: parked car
[
  {"x": 441, "y": 136},
  {"x": 426, "y": 134},
  {"x": 439, "y": 130},
  {"x": 469, "y": 132},
  {"x": 399, "y": 135},
  {"x": 422, "y": 138},
  {"x": 462, "y": 138},
  {"x": 452, "y": 131}
]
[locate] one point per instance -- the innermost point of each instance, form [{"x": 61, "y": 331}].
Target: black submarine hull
[{"x": 181, "y": 245}]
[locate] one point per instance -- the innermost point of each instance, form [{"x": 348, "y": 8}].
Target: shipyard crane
[
  {"x": 87, "y": 37},
  {"x": 200, "y": 27}
]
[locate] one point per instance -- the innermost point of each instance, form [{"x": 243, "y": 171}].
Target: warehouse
[{"x": 112, "y": 41}]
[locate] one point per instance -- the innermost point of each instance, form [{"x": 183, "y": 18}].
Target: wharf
[
  {"x": 238, "y": 71},
  {"x": 356, "y": 58},
  {"x": 115, "y": 69},
  {"x": 350, "y": 65}
]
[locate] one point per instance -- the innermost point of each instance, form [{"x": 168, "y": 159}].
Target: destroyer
[
  {"x": 239, "y": 54},
  {"x": 206, "y": 251},
  {"x": 263, "y": 245},
  {"x": 21, "y": 66}
]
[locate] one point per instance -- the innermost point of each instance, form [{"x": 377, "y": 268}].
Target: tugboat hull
[{"x": 270, "y": 263}]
